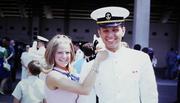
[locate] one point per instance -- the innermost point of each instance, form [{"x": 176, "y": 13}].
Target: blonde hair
[{"x": 53, "y": 46}]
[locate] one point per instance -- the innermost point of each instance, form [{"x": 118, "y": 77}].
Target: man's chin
[{"x": 112, "y": 47}]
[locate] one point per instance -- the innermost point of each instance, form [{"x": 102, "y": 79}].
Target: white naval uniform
[
  {"x": 41, "y": 51},
  {"x": 25, "y": 59},
  {"x": 126, "y": 76},
  {"x": 91, "y": 98},
  {"x": 39, "y": 55}
]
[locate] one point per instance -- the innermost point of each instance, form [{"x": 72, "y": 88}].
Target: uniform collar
[{"x": 116, "y": 53}]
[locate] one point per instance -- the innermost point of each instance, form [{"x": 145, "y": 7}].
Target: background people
[
  {"x": 3, "y": 73},
  {"x": 12, "y": 59},
  {"x": 24, "y": 62},
  {"x": 79, "y": 57},
  {"x": 41, "y": 45},
  {"x": 37, "y": 52},
  {"x": 30, "y": 90},
  {"x": 171, "y": 60},
  {"x": 137, "y": 47},
  {"x": 7, "y": 75}
]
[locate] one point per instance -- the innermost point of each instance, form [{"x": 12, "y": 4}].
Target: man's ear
[
  {"x": 123, "y": 31},
  {"x": 98, "y": 32}
]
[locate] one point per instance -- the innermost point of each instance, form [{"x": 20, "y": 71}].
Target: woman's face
[{"x": 63, "y": 55}]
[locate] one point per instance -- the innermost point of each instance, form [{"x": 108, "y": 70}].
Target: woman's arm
[{"x": 75, "y": 87}]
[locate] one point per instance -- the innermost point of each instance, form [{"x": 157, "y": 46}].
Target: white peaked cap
[
  {"x": 42, "y": 38},
  {"x": 111, "y": 14}
]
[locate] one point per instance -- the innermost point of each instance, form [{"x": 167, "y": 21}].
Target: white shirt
[
  {"x": 41, "y": 51},
  {"x": 91, "y": 98},
  {"x": 79, "y": 55},
  {"x": 25, "y": 59},
  {"x": 126, "y": 76},
  {"x": 39, "y": 55},
  {"x": 2, "y": 49},
  {"x": 30, "y": 90}
]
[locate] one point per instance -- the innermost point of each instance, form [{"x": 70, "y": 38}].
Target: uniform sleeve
[
  {"x": 86, "y": 67},
  {"x": 148, "y": 85},
  {"x": 17, "y": 93},
  {"x": 91, "y": 98}
]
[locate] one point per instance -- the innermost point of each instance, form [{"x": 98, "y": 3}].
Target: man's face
[
  {"x": 112, "y": 36},
  {"x": 40, "y": 44}
]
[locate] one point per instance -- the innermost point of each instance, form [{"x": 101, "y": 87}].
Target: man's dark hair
[
  {"x": 145, "y": 50},
  {"x": 137, "y": 47}
]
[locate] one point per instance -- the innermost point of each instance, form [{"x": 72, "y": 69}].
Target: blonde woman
[{"x": 61, "y": 84}]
